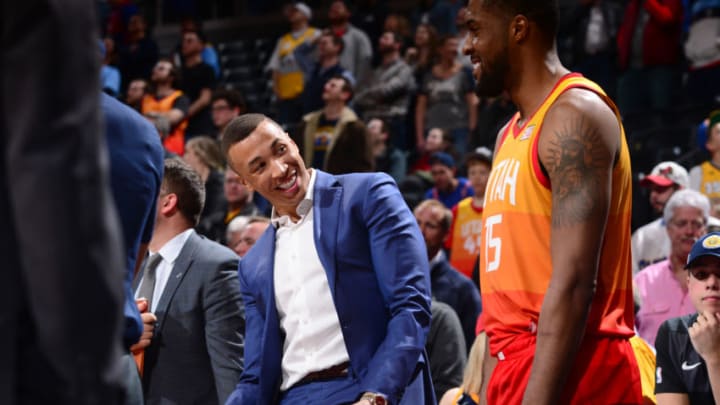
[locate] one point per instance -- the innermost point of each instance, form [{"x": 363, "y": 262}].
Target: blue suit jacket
[{"x": 377, "y": 268}]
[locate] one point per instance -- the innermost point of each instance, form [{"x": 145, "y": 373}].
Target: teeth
[{"x": 289, "y": 184}]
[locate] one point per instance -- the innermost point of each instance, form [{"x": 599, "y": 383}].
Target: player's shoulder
[{"x": 583, "y": 104}]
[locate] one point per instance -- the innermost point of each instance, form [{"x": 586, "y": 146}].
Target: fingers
[{"x": 142, "y": 304}]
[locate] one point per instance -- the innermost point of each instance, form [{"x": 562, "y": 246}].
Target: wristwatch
[{"x": 374, "y": 398}]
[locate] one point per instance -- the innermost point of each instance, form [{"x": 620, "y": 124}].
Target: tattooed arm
[{"x": 577, "y": 148}]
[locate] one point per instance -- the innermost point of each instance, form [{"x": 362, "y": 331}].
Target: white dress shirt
[
  {"x": 169, "y": 253},
  {"x": 313, "y": 338}
]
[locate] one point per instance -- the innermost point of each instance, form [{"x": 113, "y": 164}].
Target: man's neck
[
  {"x": 163, "y": 89},
  {"x": 333, "y": 110},
  {"x": 236, "y": 205},
  {"x": 478, "y": 200},
  {"x": 164, "y": 232},
  {"x": 453, "y": 185},
  {"x": 533, "y": 82},
  {"x": 341, "y": 26},
  {"x": 298, "y": 26},
  {"x": 715, "y": 159},
  {"x": 389, "y": 58},
  {"x": 193, "y": 60},
  {"x": 677, "y": 266},
  {"x": 329, "y": 61}
]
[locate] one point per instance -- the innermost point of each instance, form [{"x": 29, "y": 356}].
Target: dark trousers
[{"x": 62, "y": 268}]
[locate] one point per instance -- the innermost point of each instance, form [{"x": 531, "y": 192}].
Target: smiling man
[
  {"x": 337, "y": 290},
  {"x": 688, "y": 347},
  {"x": 555, "y": 266}
]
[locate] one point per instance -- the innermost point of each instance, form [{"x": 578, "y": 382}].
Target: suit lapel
[
  {"x": 181, "y": 267},
  {"x": 326, "y": 213}
]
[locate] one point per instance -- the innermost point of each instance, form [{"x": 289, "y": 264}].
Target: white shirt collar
[
  {"x": 171, "y": 249},
  {"x": 439, "y": 257},
  {"x": 303, "y": 207}
]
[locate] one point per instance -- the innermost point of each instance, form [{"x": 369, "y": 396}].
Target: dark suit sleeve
[
  {"x": 400, "y": 263},
  {"x": 246, "y": 391},
  {"x": 224, "y": 325},
  {"x": 469, "y": 312}
]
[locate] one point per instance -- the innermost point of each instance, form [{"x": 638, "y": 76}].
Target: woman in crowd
[{"x": 203, "y": 154}]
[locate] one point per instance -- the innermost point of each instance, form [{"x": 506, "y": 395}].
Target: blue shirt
[
  {"x": 463, "y": 189},
  {"x": 136, "y": 170}
]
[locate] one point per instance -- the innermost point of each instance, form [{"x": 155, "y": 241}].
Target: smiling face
[
  {"x": 704, "y": 284},
  {"x": 487, "y": 45},
  {"x": 270, "y": 163}
]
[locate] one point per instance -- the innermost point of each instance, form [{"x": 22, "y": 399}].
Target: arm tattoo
[{"x": 576, "y": 161}]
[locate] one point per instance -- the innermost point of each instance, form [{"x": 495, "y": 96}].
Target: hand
[
  {"x": 362, "y": 402},
  {"x": 705, "y": 336},
  {"x": 148, "y": 320}
]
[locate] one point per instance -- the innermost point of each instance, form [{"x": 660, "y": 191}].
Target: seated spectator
[
  {"x": 688, "y": 347},
  {"x": 446, "y": 98},
  {"x": 448, "y": 285},
  {"x": 447, "y": 188},
  {"x": 138, "y": 53},
  {"x": 468, "y": 393},
  {"x": 239, "y": 203},
  {"x": 167, "y": 107},
  {"x": 321, "y": 128},
  {"x": 437, "y": 140},
  {"x": 387, "y": 157},
  {"x": 136, "y": 91},
  {"x": 464, "y": 238},
  {"x": 209, "y": 54},
  {"x": 445, "y": 347},
  {"x": 705, "y": 177},
  {"x": 254, "y": 229},
  {"x": 226, "y": 105},
  {"x": 662, "y": 287},
  {"x": 204, "y": 156},
  {"x": 328, "y": 48},
  {"x": 650, "y": 243},
  {"x": 351, "y": 152},
  {"x": 233, "y": 231}
]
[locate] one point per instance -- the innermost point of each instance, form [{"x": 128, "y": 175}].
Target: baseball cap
[
  {"x": 442, "y": 158},
  {"x": 482, "y": 154},
  {"x": 303, "y": 8},
  {"x": 708, "y": 245},
  {"x": 666, "y": 174}
]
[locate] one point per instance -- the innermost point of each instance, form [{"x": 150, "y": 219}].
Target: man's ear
[
  {"x": 168, "y": 204},
  {"x": 519, "y": 28}
]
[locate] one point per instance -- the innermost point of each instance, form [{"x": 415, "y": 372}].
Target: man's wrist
[{"x": 374, "y": 398}]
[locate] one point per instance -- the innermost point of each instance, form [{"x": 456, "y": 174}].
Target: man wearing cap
[
  {"x": 662, "y": 287},
  {"x": 650, "y": 243},
  {"x": 688, "y": 347},
  {"x": 705, "y": 177},
  {"x": 287, "y": 75},
  {"x": 464, "y": 240},
  {"x": 449, "y": 189}
]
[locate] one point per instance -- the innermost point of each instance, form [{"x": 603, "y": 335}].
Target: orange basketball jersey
[{"x": 515, "y": 261}]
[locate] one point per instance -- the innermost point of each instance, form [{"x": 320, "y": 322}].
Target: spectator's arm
[
  {"x": 420, "y": 108},
  {"x": 666, "y": 13},
  {"x": 472, "y": 102},
  {"x": 202, "y": 101}
]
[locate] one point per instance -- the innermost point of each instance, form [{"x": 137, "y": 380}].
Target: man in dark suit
[
  {"x": 61, "y": 310},
  {"x": 196, "y": 353},
  {"x": 337, "y": 290}
]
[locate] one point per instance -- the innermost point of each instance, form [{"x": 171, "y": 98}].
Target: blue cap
[
  {"x": 708, "y": 245},
  {"x": 442, "y": 158}
]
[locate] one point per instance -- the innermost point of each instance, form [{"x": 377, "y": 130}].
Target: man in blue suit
[{"x": 337, "y": 290}]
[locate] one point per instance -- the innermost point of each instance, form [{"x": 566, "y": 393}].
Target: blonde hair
[
  {"x": 473, "y": 376},
  {"x": 208, "y": 151}
]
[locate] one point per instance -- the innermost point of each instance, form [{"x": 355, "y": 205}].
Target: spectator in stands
[
  {"x": 648, "y": 54},
  {"x": 329, "y": 48},
  {"x": 703, "y": 52},
  {"x": 421, "y": 55},
  {"x": 462, "y": 29},
  {"x": 167, "y": 107},
  {"x": 109, "y": 74},
  {"x": 688, "y": 347},
  {"x": 447, "y": 188},
  {"x": 400, "y": 25},
  {"x": 254, "y": 229},
  {"x": 322, "y": 127},
  {"x": 464, "y": 238},
  {"x": 351, "y": 152},
  {"x": 705, "y": 177},
  {"x": 387, "y": 157},
  {"x": 226, "y": 105},
  {"x": 386, "y": 92},
  {"x": 233, "y": 231},
  {"x": 445, "y": 347},
  {"x": 650, "y": 243},
  {"x": 448, "y": 285},
  {"x": 468, "y": 393},
  {"x": 138, "y": 55},
  {"x": 136, "y": 91},
  {"x": 287, "y": 74},
  {"x": 209, "y": 55},
  {"x": 446, "y": 98},
  {"x": 591, "y": 27},
  {"x": 203, "y": 154},
  {"x": 198, "y": 83},
  {"x": 357, "y": 50},
  {"x": 239, "y": 203},
  {"x": 662, "y": 287},
  {"x": 437, "y": 140}
]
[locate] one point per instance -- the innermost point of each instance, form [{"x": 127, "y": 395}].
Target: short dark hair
[
  {"x": 544, "y": 13},
  {"x": 233, "y": 97},
  {"x": 240, "y": 128},
  {"x": 347, "y": 86},
  {"x": 180, "y": 179},
  {"x": 174, "y": 71},
  {"x": 336, "y": 39}
]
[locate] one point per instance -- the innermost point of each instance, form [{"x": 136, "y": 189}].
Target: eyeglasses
[{"x": 702, "y": 275}]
